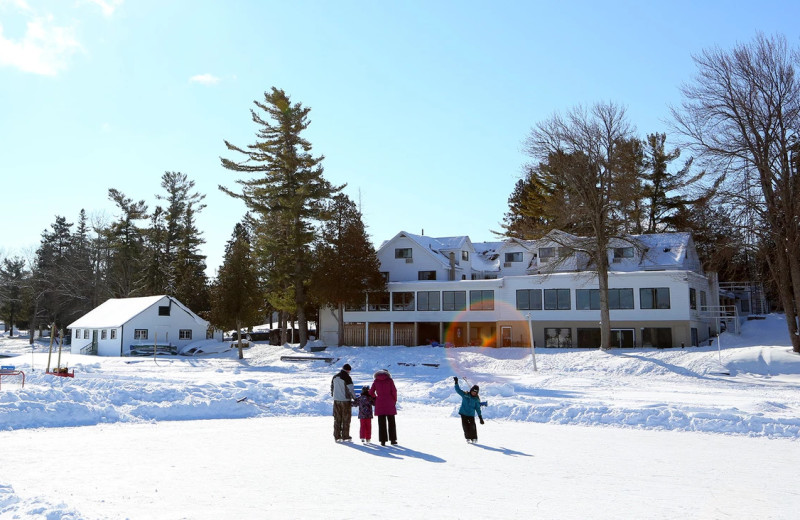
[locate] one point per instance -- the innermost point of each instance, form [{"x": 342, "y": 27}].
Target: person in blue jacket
[{"x": 470, "y": 407}]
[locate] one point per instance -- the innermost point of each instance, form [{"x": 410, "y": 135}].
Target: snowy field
[{"x": 623, "y": 434}]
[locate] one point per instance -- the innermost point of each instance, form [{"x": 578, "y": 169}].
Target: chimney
[{"x": 452, "y": 266}]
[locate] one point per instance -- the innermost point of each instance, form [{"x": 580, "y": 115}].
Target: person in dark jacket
[
  {"x": 365, "y": 403},
  {"x": 470, "y": 407},
  {"x": 343, "y": 395},
  {"x": 385, "y": 395}
]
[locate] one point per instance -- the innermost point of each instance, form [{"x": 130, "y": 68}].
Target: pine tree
[
  {"x": 13, "y": 282},
  {"x": 347, "y": 265},
  {"x": 288, "y": 188},
  {"x": 665, "y": 191},
  {"x": 189, "y": 267},
  {"x": 235, "y": 294},
  {"x": 126, "y": 242}
]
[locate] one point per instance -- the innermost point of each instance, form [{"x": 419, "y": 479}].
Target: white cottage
[{"x": 122, "y": 324}]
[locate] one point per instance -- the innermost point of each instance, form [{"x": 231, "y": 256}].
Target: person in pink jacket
[{"x": 385, "y": 394}]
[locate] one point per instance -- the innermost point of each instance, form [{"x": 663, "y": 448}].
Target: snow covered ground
[{"x": 628, "y": 433}]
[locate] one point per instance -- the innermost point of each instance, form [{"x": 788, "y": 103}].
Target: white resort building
[{"x": 455, "y": 292}]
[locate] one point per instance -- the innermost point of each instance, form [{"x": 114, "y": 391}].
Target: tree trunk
[
  {"x": 239, "y": 338},
  {"x": 340, "y": 320},
  {"x": 605, "y": 315}
]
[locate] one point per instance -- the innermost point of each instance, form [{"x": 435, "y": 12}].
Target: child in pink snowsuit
[{"x": 365, "y": 403}]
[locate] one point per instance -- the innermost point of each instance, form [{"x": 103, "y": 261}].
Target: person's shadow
[
  {"x": 504, "y": 451},
  {"x": 395, "y": 452}
]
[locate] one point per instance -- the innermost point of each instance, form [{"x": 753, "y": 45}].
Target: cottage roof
[{"x": 115, "y": 312}]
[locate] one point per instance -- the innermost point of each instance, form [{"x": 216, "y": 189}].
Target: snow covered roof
[
  {"x": 439, "y": 248},
  {"x": 115, "y": 312}
]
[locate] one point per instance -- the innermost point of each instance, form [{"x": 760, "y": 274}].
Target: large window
[
  {"x": 589, "y": 299},
  {"x": 692, "y": 298},
  {"x": 402, "y": 301},
  {"x": 657, "y": 337},
  {"x": 185, "y": 334},
  {"x": 557, "y": 338},
  {"x": 426, "y": 275},
  {"x": 481, "y": 300},
  {"x": 514, "y": 257},
  {"x": 428, "y": 300},
  {"x": 140, "y": 334},
  {"x": 620, "y": 298},
  {"x": 556, "y": 299},
  {"x": 654, "y": 298},
  {"x": 529, "y": 299},
  {"x": 378, "y": 301},
  {"x": 454, "y": 300},
  {"x": 402, "y": 252}
]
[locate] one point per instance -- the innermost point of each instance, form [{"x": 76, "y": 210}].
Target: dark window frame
[
  {"x": 481, "y": 300},
  {"x": 524, "y": 302},
  {"x": 403, "y": 252},
  {"x": 560, "y": 303},
  {"x": 454, "y": 301},
  {"x": 654, "y": 298},
  {"x": 424, "y": 301}
]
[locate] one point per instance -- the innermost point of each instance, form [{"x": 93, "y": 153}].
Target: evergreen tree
[
  {"x": 53, "y": 290},
  {"x": 347, "y": 265},
  {"x": 665, "y": 191},
  {"x": 189, "y": 267},
  {"x": 126, "y": 243},
  {"x": 287, "y": 183},
  {"x": 13, "y": 282},
  {"x": 235, "y": 296}
]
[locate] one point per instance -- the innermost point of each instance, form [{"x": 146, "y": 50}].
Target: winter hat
[
  {"x": 475, "y": 387},
  {"x": 347, "y": 367},
  {"x": 364, "y": 389}
]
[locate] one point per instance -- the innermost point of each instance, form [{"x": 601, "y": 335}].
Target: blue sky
[{"x": 419, "y": 106}]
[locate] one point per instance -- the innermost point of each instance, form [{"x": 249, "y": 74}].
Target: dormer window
[
  {"x": 514, "y": 257},
  {"x": 667, "y": 249},
  {"x": 623, "y": 252},
  {"x": 546, "y": 254},
  {"x": 465, "y": 256}
]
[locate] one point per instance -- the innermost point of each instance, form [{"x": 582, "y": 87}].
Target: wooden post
[
  {"x": 50, "y": 349},
  {"x": 60, "y": 344}
]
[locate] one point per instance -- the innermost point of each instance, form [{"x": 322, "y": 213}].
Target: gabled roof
[
  {"x": 115, "y": 312},
  {"x": 436, "y": 247}
]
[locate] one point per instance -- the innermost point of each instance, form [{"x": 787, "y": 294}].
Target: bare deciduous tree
[
  {"x": 582, "y": 155},
  {"x": 742, "y": 115}
]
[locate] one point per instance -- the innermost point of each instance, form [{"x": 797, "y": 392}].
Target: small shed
[{"x": 125, "y": 326}]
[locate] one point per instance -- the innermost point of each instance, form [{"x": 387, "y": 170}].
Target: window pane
[
  {"x": 582, "y": 299},
  {"x": 550, "y": 299},
  {"x": 625, "y": 298},
  {"x": 563, "y": 299},
  {"x": 646, "y": 298},
  {"x": 523, "y": 300},
  {"x": 662, "y": 296}
]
